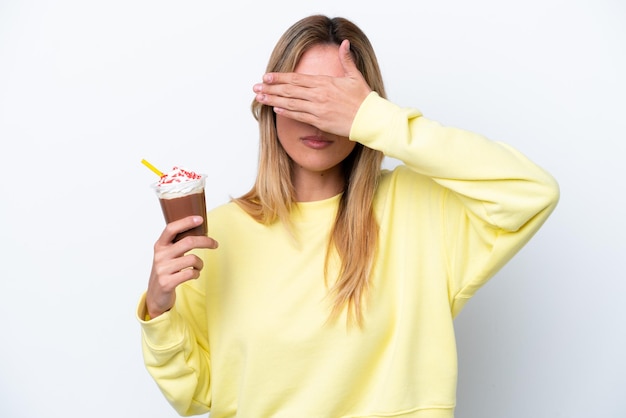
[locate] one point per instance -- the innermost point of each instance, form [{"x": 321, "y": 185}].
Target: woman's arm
[
  {"x": 172, "y": 314},
  {"x": 493, "y": 198}
]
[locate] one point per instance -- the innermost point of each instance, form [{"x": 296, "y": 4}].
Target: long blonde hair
[{"x": 354, "y": 235}]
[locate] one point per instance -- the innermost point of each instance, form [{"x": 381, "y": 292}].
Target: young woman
[{"x": 334, "y": 287}]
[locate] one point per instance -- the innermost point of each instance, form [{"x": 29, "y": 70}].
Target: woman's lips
[{"x": 316, "y": 142}]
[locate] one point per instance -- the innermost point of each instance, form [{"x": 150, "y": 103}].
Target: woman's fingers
[
  {"x": 173, "y": 264},
  {"x": 174, "y": 228},
  {"x": 329, "y": 103}
]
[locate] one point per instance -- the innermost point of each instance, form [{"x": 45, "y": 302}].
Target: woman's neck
[{"x": 313, "y": 186}]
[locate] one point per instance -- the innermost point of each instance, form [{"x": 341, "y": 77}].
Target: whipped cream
[{"x": 179, "y": 182}]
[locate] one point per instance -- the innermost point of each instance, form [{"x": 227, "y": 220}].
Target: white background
[{"x": 89, "y": 88}]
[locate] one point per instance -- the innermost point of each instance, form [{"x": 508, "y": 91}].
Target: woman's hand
[
  {"x": 328, "y": 103},
  {"x": 171, "y": 265}
]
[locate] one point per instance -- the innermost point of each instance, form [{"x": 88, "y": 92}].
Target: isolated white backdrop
[{"x": 88, "y": 89}]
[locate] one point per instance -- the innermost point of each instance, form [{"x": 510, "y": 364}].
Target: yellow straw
[{"x": 153, "y": 168}]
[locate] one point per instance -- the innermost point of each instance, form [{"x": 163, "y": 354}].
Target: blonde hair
[{"x": 354, "y": 235}]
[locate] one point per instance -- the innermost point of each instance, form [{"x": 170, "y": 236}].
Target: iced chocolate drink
[{"x": 181, "y": 193}]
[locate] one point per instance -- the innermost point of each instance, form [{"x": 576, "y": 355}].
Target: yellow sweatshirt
[{"x": 250, "y": 337}]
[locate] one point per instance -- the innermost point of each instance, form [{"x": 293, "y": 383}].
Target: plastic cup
[{"x": 179, "y": 200}]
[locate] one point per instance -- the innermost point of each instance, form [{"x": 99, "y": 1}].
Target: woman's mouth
[{"x": 316, "y": 142}]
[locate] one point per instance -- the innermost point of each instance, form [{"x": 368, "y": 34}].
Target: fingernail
[{"x": 257, "y": 88}]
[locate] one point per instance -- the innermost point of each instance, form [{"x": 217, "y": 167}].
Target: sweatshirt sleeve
[
  {"x": 176, "y": 353},
  {"x": 494, "y": 198}
]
